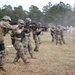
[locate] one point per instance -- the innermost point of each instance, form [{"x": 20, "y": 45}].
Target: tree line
[{"x": 60, "y": 13}]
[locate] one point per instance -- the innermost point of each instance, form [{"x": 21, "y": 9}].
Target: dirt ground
[{"x": 50, "y": 60}]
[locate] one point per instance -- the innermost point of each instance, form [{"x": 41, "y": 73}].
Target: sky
[{"x": 27, "y": 3}]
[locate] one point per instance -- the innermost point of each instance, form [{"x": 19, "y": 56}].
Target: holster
[
  {"x": 2, "y": 46},
  {"x": 13, "y": 41},
  {"x": 38, "y": 33}
]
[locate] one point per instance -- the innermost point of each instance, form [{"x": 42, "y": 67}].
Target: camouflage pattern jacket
[{"x": 4, "y": 27}]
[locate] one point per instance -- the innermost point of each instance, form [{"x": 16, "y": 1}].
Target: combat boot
[
  {"x": 14, "y": 63},
  {"x": 63, "y": 42},
  {"x": 60, "y": 43},
  {"x": 52, "y": 40},
  {"x": 36, "y": 50},
  {"x": 26, "y": 62},
  {"x": 1, "y": 68},
  {"x": 32, "y": 56}
]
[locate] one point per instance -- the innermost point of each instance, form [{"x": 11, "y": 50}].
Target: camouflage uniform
[
  {"x": 18, "y": 44},
  {"x": 39, "y": 38},
  {"x": 36, "y": 37},
  {"x": 26, "y": 38},
  {"x": 59, "y": 35},
  {"x": 4, "y": 27},
  {"x": 53, "y": 33},
  {"x": 62, "y": 36}
]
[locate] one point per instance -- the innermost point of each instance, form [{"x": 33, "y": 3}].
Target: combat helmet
[
  {"x": 53, "y": 27},
  {"x": 59, "y": 26},
  {"x": 20, "y": 21},
  {"x": 6, "y": 18},
  {"x": 28, "y": 20},
  {"x": 39, "y": 24}
]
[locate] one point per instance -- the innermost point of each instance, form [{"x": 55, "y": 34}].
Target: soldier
[
  {"x": 59, "y": 35},
  {"x": 36, "y": 36},
  {"x": 52, "y": 30},
  {"x": 18, "y": 44},
  {"x": 26, "y": 37},
  {"x": 62, "y": 36},
  {"x": 4, "y": 27},
  {"x": 20, "y": 26},
  {"x": 39, "y": 31}
]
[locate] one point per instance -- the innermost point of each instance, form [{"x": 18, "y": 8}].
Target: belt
[
  {"x": 2, "y": 51},
  {"x": 27, "y": 34},
  {"x": 18, "y": 39}
]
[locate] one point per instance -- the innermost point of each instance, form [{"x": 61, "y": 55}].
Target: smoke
[{"x": 66, "y": 19}]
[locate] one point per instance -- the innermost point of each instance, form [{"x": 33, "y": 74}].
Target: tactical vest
[{"x": 27, "y": 29}]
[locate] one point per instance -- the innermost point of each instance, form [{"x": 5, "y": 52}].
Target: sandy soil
[{"x": 50, "y": 60}]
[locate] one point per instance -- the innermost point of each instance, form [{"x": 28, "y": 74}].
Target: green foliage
[
  {"x": 34, "y": 13},
  {"x": 58, "y": 14}
]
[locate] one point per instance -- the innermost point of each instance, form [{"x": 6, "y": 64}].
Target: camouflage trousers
[
  {"x": 37, "y": 42},
  {"x": 20, "y": 52},
  {"x": 62, "y": 39},
  {"x": 27, "y": 45},
  {"x": 2, "y": 58},
  {"x": 59, "y": 39},
  {"x": 53, "y": 37},
  {"x": 39, "y": 39}
]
